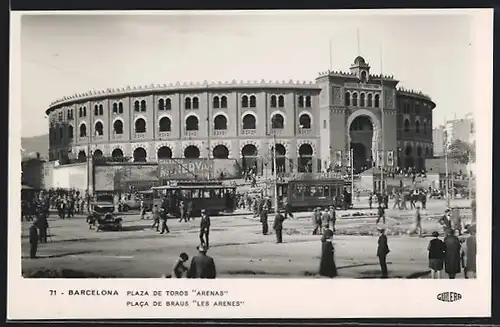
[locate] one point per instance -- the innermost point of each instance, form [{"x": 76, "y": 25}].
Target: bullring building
[{"x": 314, "y": 123}]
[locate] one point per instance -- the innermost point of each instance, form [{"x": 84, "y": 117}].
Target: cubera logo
[{"x": 449, "y": 296}]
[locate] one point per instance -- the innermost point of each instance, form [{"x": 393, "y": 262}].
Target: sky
[{"x": 67, "y": 54}]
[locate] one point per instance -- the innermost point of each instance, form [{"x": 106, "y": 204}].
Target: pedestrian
[
  {"x": 156, "y": 218},
  {"x": 452, "y": 254},
  {"x": 396, "y": 201},
  {"x": 333, "y": 217},
  {"x": 370, "y": 199},
  {"x": 436, "y": 250},
  {"x": 164, "y": 226},
  {"x": 179, "y": 267},
  {"x": 278, "y": 227},
  {"x": 445, "y": 221},
  {"x": 382, "y": 251},
  {"x": 325, "y": 219},
  {"x": 202, "y": 265},
  {"x": 143, "y": 209},
  {"x": 189, "y": 210},
  {"x": 204, "y": 228},
  {"x": 381, "y": 213},
  {"x": 327, "y": 267},
  {"x": 263, "y": 221},
  {"x": 316, "y": 217},
  {"x": 470, "y": 253},
  {"x": 33, "y": 236},
  {"x": 417, "y": 223}
]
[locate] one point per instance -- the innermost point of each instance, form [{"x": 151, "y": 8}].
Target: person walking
[
  {"x": 436, "y": 250},
  {"x": 470, "y": 253},
  {"x": 156, "y": 218},
  {"x": 204, "y": 228},
  {"x": 278, "y": 226},
  {"x": 382, "y": 252},
  {"x": 202, "y": 265},
  {"x": 164, "y": 227},
  {"x": 316, "y": 218},
  {"x": 327, "y": 267},
  {"x": 33, "y": 236},
  {"x": 417, "y": 223},
  {"x": 333, "y": 217},
  {"x": 381, "y": 213},
  {"x": 325, "y": 219},
  {"x": 264, "y": 221},
  {"x": 452, "y": 254},
  {"x": 370, "y": 200}
]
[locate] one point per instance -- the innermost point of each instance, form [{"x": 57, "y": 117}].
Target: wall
[
  {"x": 67, "y": 176},
  {"x": 32, "y": 173}
]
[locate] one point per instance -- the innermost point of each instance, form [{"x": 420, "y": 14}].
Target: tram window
[
  {"x": 327, "y": 191},
  {"x": 319, "y": 191},
  {"x": 312, "y": 191},
  {"x": 206, "y": 194}
]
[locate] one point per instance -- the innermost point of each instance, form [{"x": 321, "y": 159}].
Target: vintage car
[{"x": 104, "y": 218}]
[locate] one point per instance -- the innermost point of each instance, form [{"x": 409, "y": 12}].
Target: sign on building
[{"x": 189, "y": 169}]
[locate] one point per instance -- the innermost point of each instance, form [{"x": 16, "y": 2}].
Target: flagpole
[
  {"x": 351, "y": 152},
  {"x": 446, "y": 166},
  {"x": 382, "y": 103},
  {"x": 330, "y": 52}
]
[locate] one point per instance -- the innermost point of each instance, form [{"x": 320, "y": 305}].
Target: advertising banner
[
  {"x": 190, "y": 169},
  {"x": 119, "y": 177}
]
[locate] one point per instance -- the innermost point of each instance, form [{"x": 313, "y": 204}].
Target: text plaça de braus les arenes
[{"x": 138, "y": 298}]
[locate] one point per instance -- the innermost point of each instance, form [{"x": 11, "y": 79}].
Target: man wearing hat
[
  {"x": 202, "y": 265},
  {"x": 316, "y": 218},
  {"x": 445, "y": 221},
  {"x": 263, "y": 220},
  {"x": 278, "y": 226},
  {"x": 33, "y": 236},
  {"x": 382, "y": 251},
  {"x": 204, "y": 227}
]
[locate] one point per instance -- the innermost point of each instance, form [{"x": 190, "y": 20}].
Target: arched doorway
[
  {"x": 117, "y": 153},
  {"x": 98, "y": 154},
  {"x": 249, "y": 154},
  {"x": 361, "y": 132},
  {"x": 280, "y": 152},
  {"x": 164, "y": 152},
  {"x": 220, "y": 152},
  {"x": 305, "y": 158},
  {"x": 409, "y": 161},
  {"x": 82, "y": 156},
  {"x": 140, "y": 155},
  {"x": 191, "y": 152}
]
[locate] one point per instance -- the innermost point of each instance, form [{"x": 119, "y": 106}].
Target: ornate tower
[{"x": 361, "y": 69}]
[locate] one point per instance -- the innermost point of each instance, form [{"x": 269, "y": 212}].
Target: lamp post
[{"x": 446, "y": 168}]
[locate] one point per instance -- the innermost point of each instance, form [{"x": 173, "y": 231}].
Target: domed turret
[
  {"x": 361, "y": 69},
  {"x": 359, "y": 61}
]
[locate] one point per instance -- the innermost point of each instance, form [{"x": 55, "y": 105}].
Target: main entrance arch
[
  {"x": 249, "y": 154},
  {"x": 364, "y": 131}
]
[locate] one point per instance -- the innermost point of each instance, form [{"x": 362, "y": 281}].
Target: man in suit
[
  {"x": 381, "y": 213},
  {"x": 382, "y": 251},
  {"x": 263, "y": 220},
  {"x": 278, "y": 226},
  {"x": 202, "y": 265},
  {"x": 33, "y": 236},
  {"x": 204, "y": 228},
  {"x": 445, "y": 221}
]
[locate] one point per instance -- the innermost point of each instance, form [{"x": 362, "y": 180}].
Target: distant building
[{"x": 438, "y": 141}]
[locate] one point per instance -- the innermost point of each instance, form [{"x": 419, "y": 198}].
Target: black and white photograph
[{"x": 286, "y": 146}]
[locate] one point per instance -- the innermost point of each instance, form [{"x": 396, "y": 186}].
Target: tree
[{"x": 460, "y": 152}]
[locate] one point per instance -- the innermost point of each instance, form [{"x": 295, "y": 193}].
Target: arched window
[
  {"x": 161, "y": 104},
  {"x": 70, "y": 132},
  {"x": 308, "y": 101},
  {"x": 143, "y": 105},
  {"x": 140, "y": 126},
  {"x": 301, "y": 101},
  {"x": 274, "y": 102},
  {"x": 305, "y": 158},
  {"x": 118, "y": 127},
  {"x": 417, "y": 127},
  {"x": 220, "y": 152},
  {"x": 244, "y": 101},
  {"x": 115, "y": 107},
  {"x": 223, "y": 102},
  {"x": 137, "y": 106},
  {"x": 305, "y": 121},
  {"x": 362, "y": 100},
  {"x": 140, "y": 155},
  {"x": 277, "y": 121},
  {"x": 96, "y": 110},
  {"x": 97, "y": 153},
  {"x": 192, "y": 123},
  {"x": 370, "y": 100},
  {"x": 281, "y": 101},
  {"x": 84, "y": 111},
  {"x": 192, "y": 152},
  {"x": 82, "y": 156},
  {"x": 220, "y": 123},
  {"x": 83, "y": 130},
  {"x": 117, "y": 153},
  {"x": 164, "y": 152},
  {"x": 165, "y": 124},
  {"x": 249, "y": 122},
  {"x": 120, "y": 107},
  {"x": 406, "y": 126},
  {"x": 168, "y": 104},
  {"x": 253, "y": 101},
  {"x": 196, "y": 103},
  {"x": 101, "y": 110},
  {"x": 80, "y": 112},
  {"x": 354, "y": 99},
  {"x": 424, "y": 127},
  {"x": 377, "y": 101},
  {"x": 347, "y": 99},
  {"x": 187, "y": 103},
  {"x": 99, "y": 128},
  {"x": 216, "y": 102}
]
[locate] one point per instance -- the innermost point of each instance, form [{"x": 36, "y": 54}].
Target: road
[{"x": 237, "y": 245}]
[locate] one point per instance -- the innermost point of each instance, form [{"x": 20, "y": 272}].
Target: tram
[
  {"x": 213, "y": 197},
  {"x": 305, "y": 194}
]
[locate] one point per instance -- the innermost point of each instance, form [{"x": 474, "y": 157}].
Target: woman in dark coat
[
  {"x": 327, "y": 266},
  {"x": 452, "y": 255}
]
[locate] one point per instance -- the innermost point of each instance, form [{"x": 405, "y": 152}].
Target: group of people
[{"x": 202, "y": 265}]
